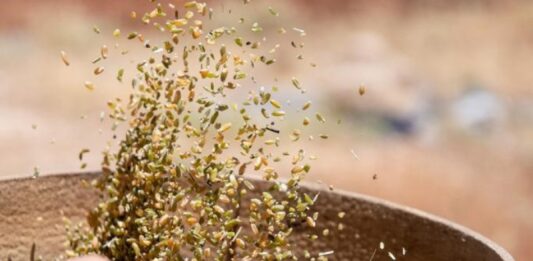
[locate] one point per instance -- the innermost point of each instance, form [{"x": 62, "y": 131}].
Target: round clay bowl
[{"x": 31, "y": 212}]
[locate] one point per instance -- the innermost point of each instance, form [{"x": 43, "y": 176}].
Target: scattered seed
[
  {"x": 306, "y": 105},
  {"x": 83, "y": 152},
  {"x": 354, "y": 155},
  {"x": 224, "y": 127},
  {"x": 296, "y": 83},
  {"x": 256, "y": 28},
  {"x": 89, "y": 85},
  {"x": 278, "y": 113},
  {"x": 120, "y": 75},
  {"x": 98, "y": 70},
  {"x": 272, "y": 11},
  {"x": 362, "y": 90},
  {"x": 310, "y": 222},
  {"x": 238, "y": 41},
  {"x": 132, "y": 35},
  {"x": 327, "y": 253},
  {"x": 116, "y": 33},
  {"x": 36, "y": 172},
  {"x": 240, "y": 243},
  {"x": 96, "y": 29},
  {"x": 64, "y": 58},
  {"x": 320, "y": 118},
  {"x": 104, "y": 51},
  {"x": 340, "y": 226},
  {"x": 300, "y": 31}
]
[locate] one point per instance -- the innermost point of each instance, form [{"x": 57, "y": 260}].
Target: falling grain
[{"x": 64, "y": 58}]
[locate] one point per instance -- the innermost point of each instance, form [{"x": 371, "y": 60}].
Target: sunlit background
[{"x": 446, "y": 124}]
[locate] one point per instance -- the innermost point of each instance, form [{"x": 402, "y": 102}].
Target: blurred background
[{"x": 446, "y": 124}]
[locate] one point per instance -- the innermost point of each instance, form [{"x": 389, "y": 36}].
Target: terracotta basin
[{"x": 30, "y": 212}]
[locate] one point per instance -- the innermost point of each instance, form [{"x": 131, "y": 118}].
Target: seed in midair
[
  {"x": 320, "y": 118},
  {"x": 120, "y": 74},
  {"x": 278, "y": 113},
  {"x": 104, "y": 51},
  {"x": 36, "y": 172},
  {"x": 306, "y": 105},
  {"x": 300, "y": 31},
  {"x": 327, "y": 253},
  {"x": 240, "y": 243},
  {"x": 192, "y": 220},
  {"x": 275, "y": 103},
  {"x": 354, "y": 154},
  {"x": 83, "y": 152},
  {"x": 98, "y": 70},
  {"x": 238, "y": 41},
  {"x": 64, "y": 58},
  {"x": 256, "y": 28},
  {"x": 254, "y": 229},
  {"x": 96, "y": 29},
  {"x": 225, "y": 127},
  {"x": 272, "y": 11},
  {"x": 89, "y": 85},
  {"x": 310, "y": 221},
  {"x": 296, "y": 83},
  {"x": 340, "y": 226},
  {"x": 362, "y": 89},
  {"x": 116, "y": 33}
]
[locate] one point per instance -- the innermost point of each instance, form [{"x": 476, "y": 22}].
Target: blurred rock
[{"x": 477, "y": 110}]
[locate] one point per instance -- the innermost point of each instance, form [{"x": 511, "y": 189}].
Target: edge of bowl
[{"x": 500, "y": 251}]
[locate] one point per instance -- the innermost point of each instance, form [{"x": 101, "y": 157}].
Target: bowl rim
[{"x": 499, "y": 250}]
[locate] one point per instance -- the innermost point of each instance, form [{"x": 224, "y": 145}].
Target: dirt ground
[{"x": 446, "y": 125}]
